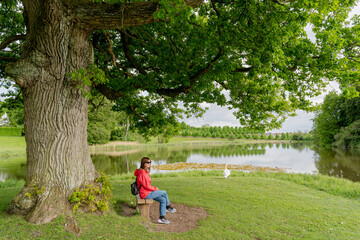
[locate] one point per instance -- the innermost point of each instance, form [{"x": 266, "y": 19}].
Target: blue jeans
[{"x": 162, "y": 197}]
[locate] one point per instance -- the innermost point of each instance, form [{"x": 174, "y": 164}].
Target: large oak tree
[{"x": 149, "y": 56}]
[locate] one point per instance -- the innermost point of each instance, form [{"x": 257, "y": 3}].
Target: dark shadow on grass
[{"x": 124, "y": 209}]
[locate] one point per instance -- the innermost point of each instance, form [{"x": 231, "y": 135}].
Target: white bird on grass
[{"x": 226, "y": 172}]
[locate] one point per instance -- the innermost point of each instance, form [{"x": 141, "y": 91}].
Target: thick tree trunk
[{"x": 55, "y": 121}]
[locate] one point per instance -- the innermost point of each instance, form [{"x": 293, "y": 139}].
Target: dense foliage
[
  {"x": 336, "y": 121},
  {"x": 101, "y": 120},
  {"x": 261, "y": 57},
  {"x": 349, "y": 137},
  {"x": 255, "y": 52}
]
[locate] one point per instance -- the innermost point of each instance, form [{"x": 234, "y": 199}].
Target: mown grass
[
  {"x": 246, "y": 206},
  {"x": 335, "y": 186},
  {"x": 12, "y": 147}
]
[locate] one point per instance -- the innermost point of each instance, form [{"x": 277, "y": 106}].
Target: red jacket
[{"x": 143, "y": 179}]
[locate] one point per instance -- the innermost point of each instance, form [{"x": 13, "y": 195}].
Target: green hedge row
[{"x": 10, "y": 131}]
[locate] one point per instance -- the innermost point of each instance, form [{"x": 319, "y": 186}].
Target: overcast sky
[{"x": 221, "y": 116}]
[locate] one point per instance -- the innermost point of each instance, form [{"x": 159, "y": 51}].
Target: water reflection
[
  {"x": 123, "y": 163},
  {"x": 270, "y": 155},
  {"x": 14, "y": 168},
  {"x": 296, "y": 157},
  {"x": 338, "y": 163}
]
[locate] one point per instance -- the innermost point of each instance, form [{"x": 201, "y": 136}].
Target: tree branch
[
  {"x": 139, "y": 116},
  {"x": 207, "y": 68},
  {"x": 128, "y": 54},
  {"x": 223, "y": 85},
  {"x": 111, "y": 94},
  {"x": 110, "y": 51},
  {"x": 282, "y": 2},
  {"x": 174, "y": 92},
  {"x": 11, "y": 39},
  {"x": 147, "y": 35},
  {"x": 106, "y": 55},
  {"x": 9, "y": 59},
  {"x": 110, "y": 16},
  {"x": 170, "y": 92},
  {"x": 182, "y": 54},
  {"x": 100, "y": 104},
  {"x": 243, "y": 69},
  {"x": 214, "y": 7},
  {"x": 186, "y": 89},
  {"x": 353, "y": 59},
  {"x": 108, "y": 92}
]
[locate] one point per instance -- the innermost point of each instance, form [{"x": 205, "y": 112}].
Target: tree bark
[{"x": 55, "y": 123}]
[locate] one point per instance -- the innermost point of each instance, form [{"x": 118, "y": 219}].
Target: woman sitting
[{"x": 150, "y": 192}]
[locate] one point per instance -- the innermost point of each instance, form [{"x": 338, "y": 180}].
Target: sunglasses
[{"x": 148, "y": 162}]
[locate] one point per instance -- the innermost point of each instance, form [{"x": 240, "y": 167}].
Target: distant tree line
[{"x": 233, "y": 133}]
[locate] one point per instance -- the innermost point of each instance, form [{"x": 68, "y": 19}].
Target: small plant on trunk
[
  {"x": 36, "y": 191},
  {"x": 92, "y": 197}
]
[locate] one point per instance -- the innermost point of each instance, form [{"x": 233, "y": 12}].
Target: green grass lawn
[
  {"x": 246, "y": 206},
  {"x": 255, "y": 205},
  {"x": 12, "y": 147}
]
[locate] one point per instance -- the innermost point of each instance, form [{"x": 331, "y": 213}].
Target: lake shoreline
[{"x": 194, "y": 140}]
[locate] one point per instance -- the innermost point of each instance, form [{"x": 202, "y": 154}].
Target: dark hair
[{"x": 143, "y": 161}]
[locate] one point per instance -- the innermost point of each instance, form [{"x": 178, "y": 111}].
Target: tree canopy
[{"x": 253, "y": 56}]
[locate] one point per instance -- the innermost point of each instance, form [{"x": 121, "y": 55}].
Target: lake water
[{"x": 296, "y": 157}]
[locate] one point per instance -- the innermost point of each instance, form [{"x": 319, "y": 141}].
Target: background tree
[
  {"x": 348, "y": 137},
  {"x": 168, "y": 132},
  {"x": 101, "y": 120},
  {"x": 13, "y": 106},
  {"x": 149, "y": 56},
  {"x": 328, "y": 120},
  {"x": 336, "y": 112},
  {"x": 348, "y": 74},
  {"x": 339, "y": 111}
]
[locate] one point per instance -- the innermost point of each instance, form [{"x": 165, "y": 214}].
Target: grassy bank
[
  {"x": 246, "y": 206},
  {"x": 12, "y": 147},
  {"x": 16, "y": 146},
  {"x": 189, "y": 142},
  {"x": 180, "y": 139}
]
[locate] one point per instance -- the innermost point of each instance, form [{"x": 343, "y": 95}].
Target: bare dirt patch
[{"x": 185, "y": 219}]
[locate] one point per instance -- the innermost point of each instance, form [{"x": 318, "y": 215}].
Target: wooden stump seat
[{"x": 144, "y": 207}]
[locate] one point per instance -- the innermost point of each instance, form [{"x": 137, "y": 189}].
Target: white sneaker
[
  {"x": 170, "y": 209},
  {"x": 163, "y": 220}
]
